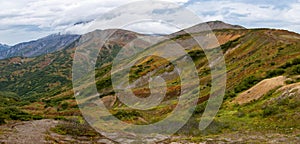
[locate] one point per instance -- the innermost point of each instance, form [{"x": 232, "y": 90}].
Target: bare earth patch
[
  {"x": 26, "y": 132},
  {"x": 259, "y": 90},
  {"x": 38, "y": 132}
]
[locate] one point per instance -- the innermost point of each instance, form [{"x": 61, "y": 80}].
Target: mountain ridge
[
  {"x": 35, "y": 47},
  {"x": 48, "y": 44},
  {"x": 4, "y": 47}
]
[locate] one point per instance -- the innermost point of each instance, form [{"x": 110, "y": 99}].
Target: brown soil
[{"x": 259, "y": 90}]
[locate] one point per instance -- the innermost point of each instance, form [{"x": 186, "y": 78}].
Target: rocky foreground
[{"x": 38, "y": 131}]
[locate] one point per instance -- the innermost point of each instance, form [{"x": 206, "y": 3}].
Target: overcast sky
[{"x": 26, "y": 20}]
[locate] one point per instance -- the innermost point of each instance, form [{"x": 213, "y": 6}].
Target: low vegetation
[{"x": 75, "y": 128}]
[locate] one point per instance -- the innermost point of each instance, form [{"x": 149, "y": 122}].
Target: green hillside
[{"x": 41, "y": 87}]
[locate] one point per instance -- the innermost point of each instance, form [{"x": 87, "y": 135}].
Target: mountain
[
  {"x": 41, "y": 46},
  {"x": 261, "y": 102},
  {"x": 212, "y": 25},
  {"x": 4, "y": 47}
]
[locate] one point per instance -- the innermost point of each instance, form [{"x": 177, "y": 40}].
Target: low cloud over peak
[{"x": 32, "y": 19}]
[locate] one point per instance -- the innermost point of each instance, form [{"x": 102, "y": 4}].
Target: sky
[{"x": 26, "y": 20}]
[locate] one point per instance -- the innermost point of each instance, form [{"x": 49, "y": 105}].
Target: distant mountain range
[
  {"x": 56, "y": 42},
  {"x": 4, "y": 47},
  {"x": 38, "y": 47}
]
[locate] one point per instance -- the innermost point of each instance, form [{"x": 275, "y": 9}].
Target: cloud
[
  {"x": 252, "y": 14},
  {"x": 52, "y": 16},
  {"x": 32, "y": 19},
  {"x": 156, "y": 18}
]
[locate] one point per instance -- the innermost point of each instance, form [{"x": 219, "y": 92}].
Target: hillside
[{"x": 40, "y": 87}]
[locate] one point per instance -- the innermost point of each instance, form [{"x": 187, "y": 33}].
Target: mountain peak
[
  {"x": 4, "y": 47},
  {"x": 211, "y": 25},
  {"x": 221, "y": 25}
]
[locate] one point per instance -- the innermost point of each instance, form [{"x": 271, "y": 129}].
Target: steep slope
[
  {"x": 39, "y": 47},
  {"x": 23, "y": 75}
]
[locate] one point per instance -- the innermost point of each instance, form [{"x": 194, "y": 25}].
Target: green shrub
[
  {"x": 127, "y": 115},
  {"x": 64, "y": 106},
  {"x": 289, "y": 82},
  {"x": 293, "y": 105},
  {"x": 247, "y": 83},
  {"x": 272, "y": 63},
  {"x": 2, "y": 120},
  {"x": 13, "y": 113},
  {"x": 37, "y": 117},
  {"x": 200, "y": 108},
  {"x": 274, "y": 73},
  {"x": 269, "y": 110},
  {"x": 295, "y": 61},
  {"x": 230, "y": 44},
  {"x": 296, "y": 70},
  {"x": 252, "y": 114},
  {"x": 60, "y": 118},
  {"x": 104, "y": 83},
  {"x": 196, "y": 54},
  {"x": 229, "y": 95}
]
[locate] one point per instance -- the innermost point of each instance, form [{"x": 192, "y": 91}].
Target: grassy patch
[{"x": 74, "y": 127}]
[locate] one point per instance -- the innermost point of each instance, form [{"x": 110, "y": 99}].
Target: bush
[
  {"x": 229, "y": 95},
  {"x": 59, "y": 118},
  {"x": 293, "y": 105},
  {"x": 272, "y": 63},
  {"x": 289, "y": 82},
  {"x": 104, "y": 83},
  {"x": 64, "y": 106},
  {"x": 230, "y": 44},
  {"x": 197, "y": 54},
  {"x": 296, "y": 61},
  {"x": 37, "y": 117},
  {"x": 247, "y": 83},
  {"x": 127, "y": 115},
  {"x": 274, "y": 73},
  {"x": 296, "y": 70},
  {"x": 269, "y": 110},
  {"x": 200, "y": 108},
  {"x": 2, "y": 120},
  {"x": 13, "y": 113},
  {"x": 291, "y": 63}
]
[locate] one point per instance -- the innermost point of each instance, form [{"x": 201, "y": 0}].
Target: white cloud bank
[{"x": 32, "y": 19}]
